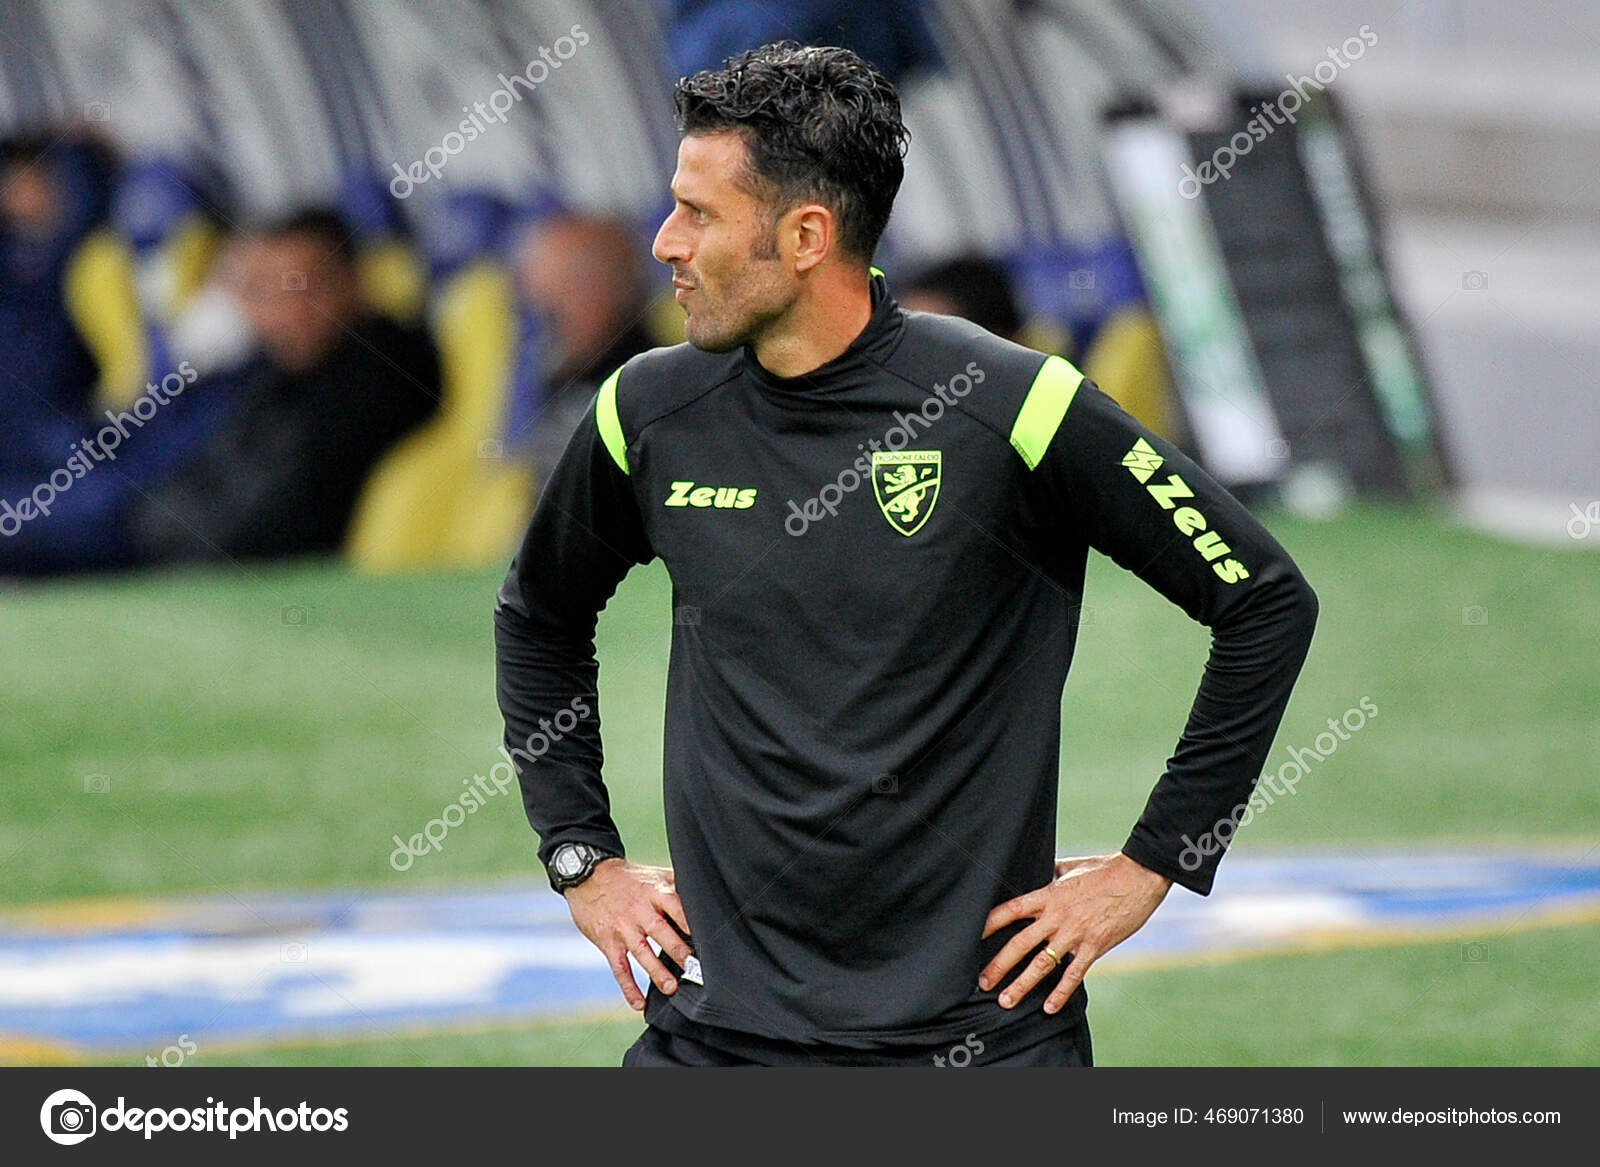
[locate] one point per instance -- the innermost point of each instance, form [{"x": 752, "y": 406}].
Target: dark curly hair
[{"x": 819, "y": 124}]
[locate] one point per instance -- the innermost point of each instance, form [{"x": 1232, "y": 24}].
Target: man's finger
[
  {"x": 671, "y": 943},
  {"x": 1015, "y": 949},
  {"x": 651, "y": 963},
  {"x": 618, "y": 959},
  {"x": 1032, "y": 973},
  {"x": 1023, "y": 907},
  {"x": 669, "y": 903},
  {"x": 1071, "y": 978}
]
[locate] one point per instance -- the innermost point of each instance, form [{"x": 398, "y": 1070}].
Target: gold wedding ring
[{"x": 1052, "y": 954}]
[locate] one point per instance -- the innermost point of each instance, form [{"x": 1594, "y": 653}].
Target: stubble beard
[{"x": 741, "y": 322}]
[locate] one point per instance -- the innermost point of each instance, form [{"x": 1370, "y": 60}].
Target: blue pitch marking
[{"x": 261, "y": 967}]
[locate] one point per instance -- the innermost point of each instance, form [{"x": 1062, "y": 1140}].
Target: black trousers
[{"x": 657, "y": 1048}]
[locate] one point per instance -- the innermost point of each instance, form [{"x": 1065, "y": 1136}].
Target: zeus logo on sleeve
[
  {"x": 687, "y": 494},
  {"x": 1142, "y": 462}
]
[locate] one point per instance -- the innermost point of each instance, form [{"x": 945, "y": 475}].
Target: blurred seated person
[
  {"x": 971, "y": 287},
  {"x": 333, "y": 386},
  {"x": 336, "y": 385},
  {"x": 50, "y": 198},
  {"x": 581, "y": 277}
]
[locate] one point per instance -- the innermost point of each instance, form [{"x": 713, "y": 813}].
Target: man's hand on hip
[
  {"x": 1095, "y": 903},
  {"x": 621, "y": 908}
]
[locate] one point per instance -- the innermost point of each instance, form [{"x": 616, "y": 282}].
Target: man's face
[
  {"x": 581, "y": 276},
  {"x": 714, "y": 241},
  {"x": 28, "y": 198},
  {"x": 298, "y": 297}
]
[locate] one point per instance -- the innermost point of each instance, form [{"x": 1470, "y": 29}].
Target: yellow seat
[
  {"x": 443, "y": 497},
  {"x": 103, "y": 300},
  {"x": 1128, "y": 361},
  {"x": 393, "y": 279},
  {"x": 101, "y": 288}
]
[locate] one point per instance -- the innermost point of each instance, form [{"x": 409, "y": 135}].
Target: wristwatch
[{"x": 572, "y": 863}]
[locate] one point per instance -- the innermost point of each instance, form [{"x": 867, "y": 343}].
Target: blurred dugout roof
[
  {"x": 284, "y": 102},
  {"x": 266, "y": 106},
  {"x": 287, "y": 100}
]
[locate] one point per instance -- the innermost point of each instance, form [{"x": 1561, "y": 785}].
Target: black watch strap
[{"x": 572, "y": 863}]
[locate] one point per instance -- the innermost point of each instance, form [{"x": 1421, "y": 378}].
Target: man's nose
[{"x": 668, "y": 246}]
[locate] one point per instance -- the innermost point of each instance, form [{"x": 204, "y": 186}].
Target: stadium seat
[
  {"x": 393, "y": 279},
  {"x": 446, "y": 496},
  {"x": 164, "y": 216},
  {"x": 1127, "y": 360},
  {"x": 103, "y": 297}
]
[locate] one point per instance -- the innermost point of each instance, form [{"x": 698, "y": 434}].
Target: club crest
[{"x": 906, "y": 484}]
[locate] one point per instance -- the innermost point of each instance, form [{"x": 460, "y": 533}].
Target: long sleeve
[
  {"x": 585, "y": 534},
  {"x": 1110, "y": 482}
]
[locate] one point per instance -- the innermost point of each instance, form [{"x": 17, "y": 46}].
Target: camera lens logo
[{"x": 68, "y": 1117}]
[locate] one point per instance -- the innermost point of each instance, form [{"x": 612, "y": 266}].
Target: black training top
[{"x": 877, "y": 568}]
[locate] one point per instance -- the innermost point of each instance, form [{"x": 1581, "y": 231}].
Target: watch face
[{"x": 567, "y": 861}]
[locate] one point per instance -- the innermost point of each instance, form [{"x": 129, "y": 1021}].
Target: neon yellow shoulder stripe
[
  {"x": 605, "y": 416},
  {"x": 1044, "y": 407}
]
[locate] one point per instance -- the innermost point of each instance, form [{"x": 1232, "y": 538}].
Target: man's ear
[{"x": 813, "y": 235}]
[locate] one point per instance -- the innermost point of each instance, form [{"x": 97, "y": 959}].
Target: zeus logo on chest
[{"x": 688, "y": 494}]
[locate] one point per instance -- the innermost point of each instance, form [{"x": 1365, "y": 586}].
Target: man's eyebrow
[{"x": 688, "y": 202}]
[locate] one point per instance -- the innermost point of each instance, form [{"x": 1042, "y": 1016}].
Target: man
[
  {"x": 337, "y": 385},
  {"x": 49, "y": 202},
  {"x": 876, "y": 523},
  {"x": 971, "y": 286},
  {"x": 580, "y": 276},
  {"x": 268, "y": 462}
]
